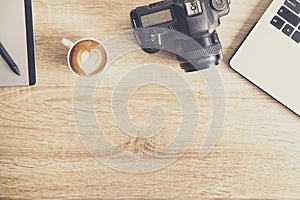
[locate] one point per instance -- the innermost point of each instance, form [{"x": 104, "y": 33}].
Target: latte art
[
  {"x": 87, "y": 58},
  {"x": 89, "y": 61}
]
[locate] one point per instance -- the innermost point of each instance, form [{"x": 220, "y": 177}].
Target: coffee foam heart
[
  {"x": 89, "y": 61},
  {"x": 87, "y": 58}
]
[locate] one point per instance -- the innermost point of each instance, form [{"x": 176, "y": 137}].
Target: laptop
[{"x": 270, "y": 55}]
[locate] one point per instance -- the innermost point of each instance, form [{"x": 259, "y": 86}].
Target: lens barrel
[{"x": 207, "y": 53}]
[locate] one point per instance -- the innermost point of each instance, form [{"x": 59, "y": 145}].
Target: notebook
[
  {"x": 16, "y": 35},
  {"x": 270, "y": 55}
]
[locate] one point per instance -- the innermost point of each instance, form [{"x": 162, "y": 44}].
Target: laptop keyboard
[{"x": 287, "y": 19}]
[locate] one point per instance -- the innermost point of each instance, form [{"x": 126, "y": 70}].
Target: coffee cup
[{"x": 87, "y": 58}]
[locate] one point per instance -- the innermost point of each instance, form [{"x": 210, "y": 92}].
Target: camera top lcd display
[{"x": 157, "y": 18}]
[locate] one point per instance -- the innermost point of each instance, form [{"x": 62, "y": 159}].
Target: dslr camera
[{"x": 156, "y": 26}]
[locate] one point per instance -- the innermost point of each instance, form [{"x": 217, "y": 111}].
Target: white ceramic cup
[{"x": 86, "y": 58}]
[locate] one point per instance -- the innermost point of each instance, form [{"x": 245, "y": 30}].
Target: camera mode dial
[{"x": 219, "y": 4}]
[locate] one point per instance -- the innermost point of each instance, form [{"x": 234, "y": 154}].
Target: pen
[{"x": 9, "y": 60}]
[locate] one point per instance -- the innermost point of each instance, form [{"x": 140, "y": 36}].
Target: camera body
[{"x": 197, "y": 19}]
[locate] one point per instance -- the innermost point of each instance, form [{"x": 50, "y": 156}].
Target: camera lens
[
  {"x": 201, "y": 64},
  {"x": 207, "y": 53}
]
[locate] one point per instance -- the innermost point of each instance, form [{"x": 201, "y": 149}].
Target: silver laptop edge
[{"x": 271, "y": 60}]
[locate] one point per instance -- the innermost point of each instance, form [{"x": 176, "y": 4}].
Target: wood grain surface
[{"x": 42, "y": 156}]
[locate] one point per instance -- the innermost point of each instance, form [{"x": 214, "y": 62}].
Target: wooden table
[{"x": 42, "y": 156}]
